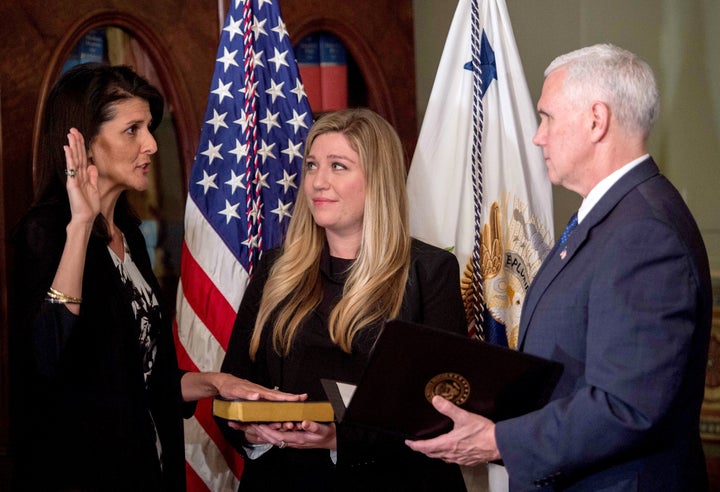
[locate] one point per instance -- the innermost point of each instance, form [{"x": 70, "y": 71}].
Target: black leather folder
[{"x": 410, "y": 363}]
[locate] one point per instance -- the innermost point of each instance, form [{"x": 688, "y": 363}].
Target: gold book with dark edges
[
  {"x": 411, "y": 363},
  {"x": 273, "y": 411}
]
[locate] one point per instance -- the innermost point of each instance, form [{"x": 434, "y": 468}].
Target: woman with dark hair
[
  {"x": 97, "y": 395},
  {"x": 314, "y": 309}
]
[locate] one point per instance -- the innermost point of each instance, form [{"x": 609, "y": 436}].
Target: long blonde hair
[{"x": 375, "y": 286}]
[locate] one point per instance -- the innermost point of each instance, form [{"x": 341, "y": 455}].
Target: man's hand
[{"x": 471, "y": 442}]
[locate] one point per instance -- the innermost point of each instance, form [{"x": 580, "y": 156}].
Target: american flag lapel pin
[{"x": 563, "y": 253}]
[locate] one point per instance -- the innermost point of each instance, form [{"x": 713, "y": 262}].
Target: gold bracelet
[
  {"x": 52, "y": 300},
  {"x": 57, "y": 297}
]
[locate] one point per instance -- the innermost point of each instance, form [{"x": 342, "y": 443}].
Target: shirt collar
[{"x": 604, "y": 185}]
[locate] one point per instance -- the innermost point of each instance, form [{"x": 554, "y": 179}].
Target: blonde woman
[{"x": 313, "y": 310}]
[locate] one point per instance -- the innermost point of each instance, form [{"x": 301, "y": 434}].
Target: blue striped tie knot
[{"x": 569, "y": 228}]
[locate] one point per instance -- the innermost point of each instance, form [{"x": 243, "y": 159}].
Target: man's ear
[{"x": 600, "y": 120}]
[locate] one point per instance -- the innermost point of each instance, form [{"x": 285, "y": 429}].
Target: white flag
[{"x": 477, "y": 184}]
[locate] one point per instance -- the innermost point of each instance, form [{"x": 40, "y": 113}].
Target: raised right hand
[{"x": 82, "y": 189}]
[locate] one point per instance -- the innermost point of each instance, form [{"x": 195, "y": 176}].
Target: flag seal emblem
[{"x": 510, "y": 258}]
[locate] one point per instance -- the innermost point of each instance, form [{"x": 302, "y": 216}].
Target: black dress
[
  {"x": 365, "y": 460},
  {"x": 94, "y": 397}
]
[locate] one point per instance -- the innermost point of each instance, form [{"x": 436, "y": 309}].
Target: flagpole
[{"x": 222, "y": 13}]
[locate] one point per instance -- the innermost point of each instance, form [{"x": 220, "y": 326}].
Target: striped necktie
[{"x": 569, "y": 229}]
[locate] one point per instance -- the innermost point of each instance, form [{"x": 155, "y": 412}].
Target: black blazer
[
  {"x": 80, "y": 411},
  {"x": 365, "y": 460}
]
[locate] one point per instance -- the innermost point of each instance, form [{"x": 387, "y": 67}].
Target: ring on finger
[
  {"x": 281, "y": 444},
  {"x": 71, "y": 173}
]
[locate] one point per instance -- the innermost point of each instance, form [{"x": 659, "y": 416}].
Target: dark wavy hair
[{"x": 84, "y": 98}]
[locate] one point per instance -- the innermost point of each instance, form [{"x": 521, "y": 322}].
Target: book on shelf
[
  {"x": 322, "y": 61},
  {"x": 272, "y": 411},
  {"x": 333, "y": 73},
  {"x": 307, "y": 53},
  {"x": 411, "y": 363}
]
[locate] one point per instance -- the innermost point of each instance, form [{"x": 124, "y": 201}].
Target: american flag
[{"x": 242, "y": 188}]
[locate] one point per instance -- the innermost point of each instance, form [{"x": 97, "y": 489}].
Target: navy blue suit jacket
[{"x": 626, "y": 306}]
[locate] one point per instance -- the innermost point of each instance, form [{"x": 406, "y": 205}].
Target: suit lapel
[{"x": 560, "y": 256}]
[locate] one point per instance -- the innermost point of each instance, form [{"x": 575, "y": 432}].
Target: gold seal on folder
[{"x": 449, "y": 385}]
